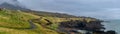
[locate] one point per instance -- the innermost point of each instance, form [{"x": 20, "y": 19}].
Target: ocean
[{"x": 112, "y": 25}]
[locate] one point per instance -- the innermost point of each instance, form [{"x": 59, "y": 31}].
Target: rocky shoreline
[{"x": 83, "y": 27}]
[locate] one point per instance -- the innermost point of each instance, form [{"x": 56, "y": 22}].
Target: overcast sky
[{"x": 105, "y": 9}]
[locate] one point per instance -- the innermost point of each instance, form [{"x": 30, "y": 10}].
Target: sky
[{"x": 103, "y": 9}]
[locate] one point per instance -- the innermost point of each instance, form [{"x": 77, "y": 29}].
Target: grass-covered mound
[
  {"x": 14, "y": 19},
  {"x": 17, "y": 22}
]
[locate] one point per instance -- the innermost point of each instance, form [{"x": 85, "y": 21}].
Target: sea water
[{"x": 112, "y": 25}]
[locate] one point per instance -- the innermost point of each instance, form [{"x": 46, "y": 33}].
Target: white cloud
[{"x": 94, "y": 8}]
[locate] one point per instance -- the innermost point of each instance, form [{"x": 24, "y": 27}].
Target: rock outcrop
[{"x": 83, "y": 27}]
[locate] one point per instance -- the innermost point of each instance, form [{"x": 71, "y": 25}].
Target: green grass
[
  {"x": 3, "y": 32},
  {"x": 14, "y": 19},
  {"x": 16, "y": 22}
]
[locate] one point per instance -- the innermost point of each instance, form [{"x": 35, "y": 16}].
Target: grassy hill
[
  {"x": 14, "y": 19},
  {"x": 18, "y": 22}
]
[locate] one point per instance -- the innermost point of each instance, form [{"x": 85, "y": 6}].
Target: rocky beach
[{"x": 84, "y": 27}]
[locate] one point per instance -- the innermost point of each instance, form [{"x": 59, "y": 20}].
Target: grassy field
[
  {"x": 14, "y": 19},
  {"x": 16, "y": 22}
]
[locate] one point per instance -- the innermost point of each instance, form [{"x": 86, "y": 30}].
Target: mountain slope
[
  {"x": 17, "y": 22},
  {"x": 10, "y": 6},
  {"x": 51, "y": 14},
  {"x": 20, "y": 22},
  {"x": 10, "y": 19},
  {"x": 40, "y": 13}
]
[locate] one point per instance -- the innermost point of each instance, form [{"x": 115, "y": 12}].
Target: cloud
[
  {"x": 2, "y": 1},
  {"x": 13, "y": 2},
  {"x": 75, "y": 5},
  {"x": 94, "y": 8},
  {"x": 112, "y": 13}
]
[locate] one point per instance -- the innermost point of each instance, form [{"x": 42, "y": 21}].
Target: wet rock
[
  {"x": 88, "y": 27},
  {"x": 110, "y": 32},
  {"x": 103, "y": 32},
  {"x": 98, "y": 32},
  {"x": 76, "y": 25}
]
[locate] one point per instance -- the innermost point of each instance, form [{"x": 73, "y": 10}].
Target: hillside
[
  {"x": 27, "y": 22},
  {"x": 50, "y": 14},
  {"x": 13, "y": 7},
  {"x": 16, "y": 22}
]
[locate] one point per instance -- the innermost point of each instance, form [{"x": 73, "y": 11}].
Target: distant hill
[
  {"x": 40, "y": 13},
  {"x": 13, "y": 7},
  {"x": 51, "y": 14}
]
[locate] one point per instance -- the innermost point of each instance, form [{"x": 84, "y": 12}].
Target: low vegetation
[{"x": 17, "y": 22}]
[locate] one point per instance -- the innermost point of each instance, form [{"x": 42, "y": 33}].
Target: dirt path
[{"x": 32, "y": 25}]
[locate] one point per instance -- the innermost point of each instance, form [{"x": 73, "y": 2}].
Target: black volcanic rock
[
  {"x": 75, "y": 25},
  {"x": 82, "y": 25},
  {"x": 110, "y": 32}
]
